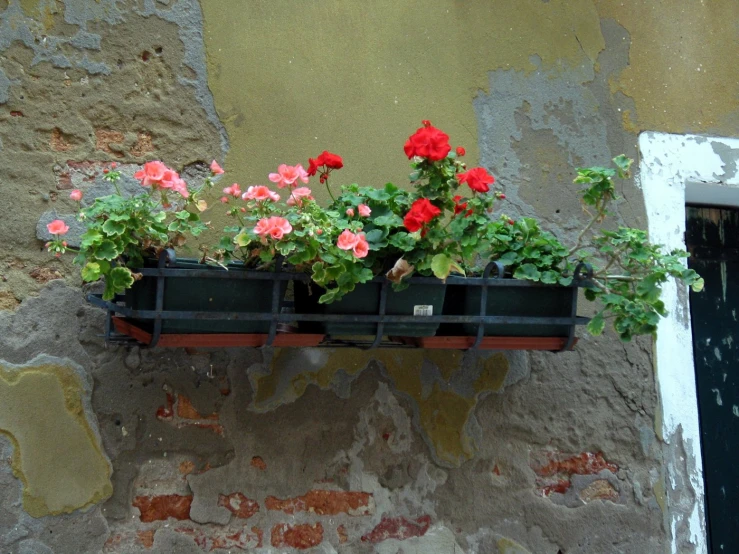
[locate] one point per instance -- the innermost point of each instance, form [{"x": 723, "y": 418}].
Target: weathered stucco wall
[{"x": 129, "y": 450}]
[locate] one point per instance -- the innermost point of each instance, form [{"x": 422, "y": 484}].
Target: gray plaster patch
[
  {"x": 555, "y": 101},
  {"x": 4, "y": 87},
  {"x": 15, "y": 25},
  {"x": 189, "y": 18},
  {"x": 729, "y": 156}
]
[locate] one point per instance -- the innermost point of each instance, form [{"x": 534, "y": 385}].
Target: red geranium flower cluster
[
  {"x": 478, "y": 179},
  {"x": 428, "y": 142},
  {"x": 324, "y": 164},
  {"x": 422, "y": 212},
  {"x": 459, "y": 207}
]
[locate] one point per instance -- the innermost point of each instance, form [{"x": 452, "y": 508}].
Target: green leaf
[
  {"x": 508, "y": 258},
  {"x": 527, "y": 271},
  {"x": 374, "y": 236},
  {"x": 91, "y": 272},
  {"x": 549, "y": 277},
  {"x": 441, "y": 265},
  {"x": 117, "y": 281},
  {"x": 113, "y": 227},
  {"x": 242, "y": 239},
  {"x": 107, "y": 250},
  {"x": 698, "y": 285},
  {"x": 596, "y": 325}
]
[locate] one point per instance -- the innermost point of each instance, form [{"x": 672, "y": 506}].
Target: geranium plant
[
  {"x": 122, "y": 230},
  {"x": 448, "y": 223}
]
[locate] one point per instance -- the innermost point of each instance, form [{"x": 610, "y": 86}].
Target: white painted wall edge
[{"x": 673, "y": 170}]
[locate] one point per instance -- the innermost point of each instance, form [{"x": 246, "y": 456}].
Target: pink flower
[
  {"x": 298, "y": 195},
  {"x": 224, "y": 199},
  {"x": 151, "y": 173},
  {"x": 288, "y": 175},
  {"x": 57, "y": 227},
  {"x": 275, "y": 227},
  {"x": 361, "y": 249},
  {"x": 356, "y": 243},
  {"x": 260, "y": 193},
  {"x": 233, "y": 190},
  {"x": 347, "y": 240},
  {"x": 215, "y": 169},
  {"x": 76, "y": 195},
  {"x": 171, "y": 180},
  {"x": 364, "y": 210},
  {"x": 350, "y": 212}
]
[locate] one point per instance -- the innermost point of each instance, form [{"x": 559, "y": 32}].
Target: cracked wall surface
[{"x": 266, "y": 451}]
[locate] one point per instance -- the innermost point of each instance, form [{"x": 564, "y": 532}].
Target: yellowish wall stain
[
  {"x": 57, "y": 456},
  {"x": 682, "y": 73},
  {"x": 290, "y": 79},
  {"x": 443, "y": 412}
]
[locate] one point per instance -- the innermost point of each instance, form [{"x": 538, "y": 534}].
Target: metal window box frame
[{"x": 119, "y": 329}]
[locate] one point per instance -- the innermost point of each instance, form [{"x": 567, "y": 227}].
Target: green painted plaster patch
[
  {"x": 443, "y": 411},
  {"x": 507, "y": 546},
  {"x": 291, "y": 79},
  {"x": 57, "y": 455}
]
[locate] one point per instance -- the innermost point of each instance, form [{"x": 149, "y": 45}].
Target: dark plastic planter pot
[
  {"x": 365, "y": 300},
  {"x": 533, "y": 301},
  {"x": 205, "y": 295}
]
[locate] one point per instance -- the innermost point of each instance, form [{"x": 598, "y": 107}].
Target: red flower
[
  {"x": 422, "y": 211},
  {"x": 461, "y": 151},
  {"x": 428, "y": 142},
  {"x": 331, "y": 161},
  {"x": 478, "y": 179},
  {"x": 458, "y": 208}
]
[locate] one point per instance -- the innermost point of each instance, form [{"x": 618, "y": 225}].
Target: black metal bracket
[{"x": 493, "y": 276}]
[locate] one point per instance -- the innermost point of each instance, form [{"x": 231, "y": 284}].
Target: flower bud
[
  {"x": 319, "y": 231},
  {"x": 350, "y": 212},
  {"x": 461, "y": 151}
]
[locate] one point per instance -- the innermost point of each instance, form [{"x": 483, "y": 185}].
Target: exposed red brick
[
  {"x": 216, "y": 428},
  {"x": 16, "y": 113},
  {"x": 105, "y": 137},
  {"x": 258, "y": 463},
  {"x": 45, "y": 274},
  {"x": 561, "y": 486},
  {"x": 398, "y": 528},
  {"x": 496, "y": 470},
  {"x": 166, "y": 412},
  {"x": 221, "y": 539},
  {"x": 146, "y": 538},
  {"x": 297, "y": 536},
  {"x": 159, "y": 508},
  {"x": 323, "y": 502},
  {"x": 187, "y": 467},
  {"x": 186, "y": 410},
  {"x": 113, "y": 540},
  {"x": 343, "y": 535},
  {"x": 143, "y": 145},
  {"x": 239, "y": 505},
  {"x": 599, "y": 490},
  {"x": 586, "y": 463},
  {"x": 260, "y": 535},
  {"x": 58, "y": 142}
]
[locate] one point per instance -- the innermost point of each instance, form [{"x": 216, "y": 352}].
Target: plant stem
[
  {"x": 578, "y": 242},
  {"x": 329, "y": 188}
]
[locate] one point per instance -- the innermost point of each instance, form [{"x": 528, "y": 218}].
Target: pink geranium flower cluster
[
  {"x": 289, "y": 175},
  {"x": 274, "y": 227},
  {"x": 356, "y": 242},
  {"x": 157, "y": 175},
  {"x": 260, "y": 193}
]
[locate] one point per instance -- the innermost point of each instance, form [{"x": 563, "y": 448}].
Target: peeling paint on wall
[
  {"x": 444, "y": 394},
  {"x": 44, "y": 411}
]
